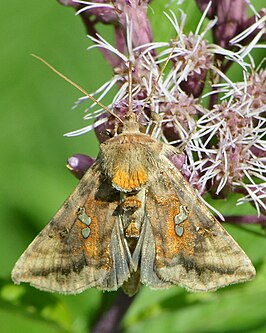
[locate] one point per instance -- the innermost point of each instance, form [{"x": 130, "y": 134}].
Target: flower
[{"x": 217, "y": 124}]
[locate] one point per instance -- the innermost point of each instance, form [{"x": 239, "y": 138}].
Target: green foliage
[{"x": 35, "y": 113}]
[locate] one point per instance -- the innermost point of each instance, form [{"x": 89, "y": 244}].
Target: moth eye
[{"x": 108, "y": 133}]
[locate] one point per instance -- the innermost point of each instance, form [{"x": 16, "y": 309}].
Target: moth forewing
[
  {"x": 192, "y": 248},
  {"x": 66, "y": 256}
]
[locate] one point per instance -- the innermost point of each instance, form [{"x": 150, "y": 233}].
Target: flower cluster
[{"x": 223, "y": 144}]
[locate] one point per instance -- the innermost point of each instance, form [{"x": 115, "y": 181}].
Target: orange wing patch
[
  {"x": 91, "y": 233},
  {"x": 172, "y": 236},
  {"x": 129, "y": 181}
]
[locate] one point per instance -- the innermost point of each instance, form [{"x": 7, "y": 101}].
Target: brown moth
[{"x": 132, "y": 219}]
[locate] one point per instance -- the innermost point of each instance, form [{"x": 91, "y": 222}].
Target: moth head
[{"x": 131, "y": 124}]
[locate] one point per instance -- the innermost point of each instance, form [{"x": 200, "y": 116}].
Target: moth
[{"x": 133, "y": 219}]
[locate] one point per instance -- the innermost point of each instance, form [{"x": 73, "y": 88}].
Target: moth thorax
[
  {"x": 132, "y": 242},
  {"x": 131, "y": 124},
  {"x": 131, "y": 207},
  {"x": 132, "y": 231},
  {"x": 131, "y": 203}
]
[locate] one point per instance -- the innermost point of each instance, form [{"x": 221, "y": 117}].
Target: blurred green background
[{"x": 35, "y": 113}]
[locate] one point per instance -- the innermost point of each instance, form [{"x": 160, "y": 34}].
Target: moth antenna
[
  {"x": 77, "y": 87},
  {"x": 158, "y": 78},
  {"x": 116, "y": 8},
  {"x": 182, "y": 148},
  {"x": 148, "y": 99},
  {"x": 130, "y": 97}
]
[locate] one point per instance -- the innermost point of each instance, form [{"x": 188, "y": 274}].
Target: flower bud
[{"x": 78, "y": 164}]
